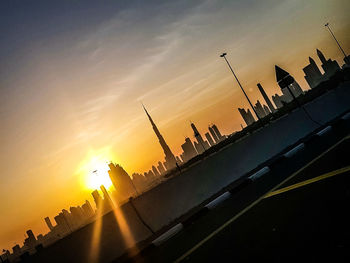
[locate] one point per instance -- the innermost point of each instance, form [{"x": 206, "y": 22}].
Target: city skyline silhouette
[
  {"x": 125, "y": 185},
  {"x": 133, "y": 126}
]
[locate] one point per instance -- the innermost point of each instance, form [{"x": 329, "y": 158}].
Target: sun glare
[
  {"x": 99, "y": 176},
  {"x": 94, "y": 171}
]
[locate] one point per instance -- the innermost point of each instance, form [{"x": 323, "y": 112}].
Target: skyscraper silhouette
[
  {"x": 170, "y": 161},
  {"x": 267, "y": 110},
  {"x": 77, "y": 216},
  {"x": 209, "y": 139},
  {"x": 87, "y": 208},
  {"x": 48, "y": 223},
  {"x": 321, "y": 56},
  {"x": 161, "y": 168},
  {"x": 155, "y": 171},
  {"x": 30, "y": 241},
  {"x": 188, "y": 150},
  {"x": 247, "y": 116},
  {"x": 62, "y": 223},
  {"x": 266, "y": 98},
  {"x": 214, "y": 135},
  {"x": 296, "y": 88},
  {"x": 16, "y": 250},
  {"x": 259, "y": 109},
  {"x": 107, "y": 198},
  {"x": 121, "y": 182},
  {"x": 218, "y": 133},
  {"x": 329, "y": 66},
  {"x": 97, "y": 198},
  {"x": 313, "y": 75},
  {"x": 202, "y": 145},
  {"x": 149, "y": 175},
  {"x": 277, "y": 100}
]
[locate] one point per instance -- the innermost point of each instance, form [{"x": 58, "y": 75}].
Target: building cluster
[
  {"x": 103, "y": 204},
  {"x": 144, "y": 181},
  {"x": 213, "y": 137},
  {"x": 190, "y": 150},
  {"x": 66, "y": 222},
  {"x": 69, "y": 221},
  {"x": 313, "y": 77},
  {"x": 127, "y": 186}
]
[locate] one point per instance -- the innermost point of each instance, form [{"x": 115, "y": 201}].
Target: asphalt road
[
  {"x": 306, "y": 223},
  {"x": 305, "y": 218}
]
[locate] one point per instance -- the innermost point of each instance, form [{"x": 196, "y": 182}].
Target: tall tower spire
[{"x": 170, "y": 160}]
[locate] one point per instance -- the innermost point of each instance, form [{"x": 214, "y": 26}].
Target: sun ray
[
  {"x": 93, "y": 170},
  {"x": 123, "y": 226},
  {"x": 96, "y": 238}
]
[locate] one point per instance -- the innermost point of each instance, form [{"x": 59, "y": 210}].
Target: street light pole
[
  {"x": 330, "y": 31},
  {"x": 223, "y": 55}
]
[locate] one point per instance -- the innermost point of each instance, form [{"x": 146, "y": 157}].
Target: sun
[
  {"x": 94, "y": 172},
  {"x": 99, "y": 176}
]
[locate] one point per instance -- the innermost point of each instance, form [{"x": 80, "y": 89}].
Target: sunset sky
[{"x": 73, "y": 75}]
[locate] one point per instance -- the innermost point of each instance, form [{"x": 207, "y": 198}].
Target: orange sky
[{"x": 76, "y": 95}]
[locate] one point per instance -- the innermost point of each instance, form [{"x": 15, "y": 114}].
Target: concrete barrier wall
[{"x": 176, "y": 196}]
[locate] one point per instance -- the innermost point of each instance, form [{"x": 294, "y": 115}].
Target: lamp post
[
  {"x": 223, "y": 55},
  {"x": 330, "y": 31}
]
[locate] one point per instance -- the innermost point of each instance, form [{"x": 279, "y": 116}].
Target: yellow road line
[
  {"x": 212, "y": 234},
  {"x": 309, "y": 181}
]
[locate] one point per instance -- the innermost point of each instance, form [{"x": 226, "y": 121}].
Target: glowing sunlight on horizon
[{"x": 94, "y": 171}]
